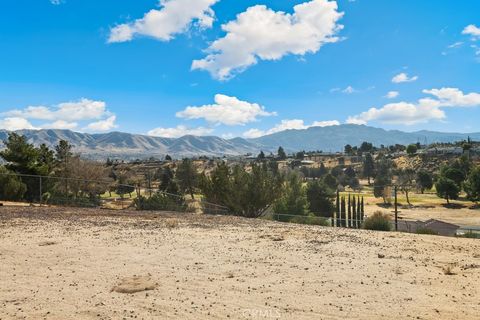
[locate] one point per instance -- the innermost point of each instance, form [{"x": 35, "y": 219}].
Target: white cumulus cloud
[
  {"x": 260, "y": 33},
  {"x": 226, "y": 110},
  {"x": 102, "y": 125},
  {"x": 472, "y": 30},
  {"x": 426, "y": 109},
  {"x": 83, "y": 109},
  {"x": 403, "y": 77},
  {"x": 173, "y": 17},
  {"x": 179, "y": 131},
  {"x": 66, "y": 115},
  {"x": 15, "y": 123},
  {"x": 289, "y": 124},
  {"x": 392, "y": 94}
]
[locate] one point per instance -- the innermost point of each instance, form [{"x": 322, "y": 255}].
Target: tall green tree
[
  {"x": 261, "y": 155},
  {"x": 244, "y": 193},
  {"x": 406, "y": 182},
  {"x": 281, "y": 153},
  {"x": 368, "y": 167},
  {"x": 166, "y": 176},
  {"x": 383, "y": 178},
  {"x": 64, "y": 163},
  {"x": 424, "y": 180},
  {"x": 187, "y": 177},
  {"x": 472, "y": 185},
  {"x": 453, "y": 173},
  {"x": 348, "y": 149},
  {"x": 11, "y": 186},
  {"x": 447, "y": 189},
  {"x": 320, "y": 199},
  {"x": 24, "y": 159},
  {"x": 293, "y": 200}
]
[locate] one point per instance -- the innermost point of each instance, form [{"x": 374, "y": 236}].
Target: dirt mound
[{"x": 135, "y": 284}]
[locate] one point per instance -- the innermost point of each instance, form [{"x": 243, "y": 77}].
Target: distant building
[{"x": 441, "y": 228}]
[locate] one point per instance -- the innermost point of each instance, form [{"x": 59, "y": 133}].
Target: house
[
  {"x": 441, "y": 228},
  {"x": 409, "y": 226}
]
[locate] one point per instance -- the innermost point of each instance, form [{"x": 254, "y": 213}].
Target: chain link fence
[{"x": 35, "y": 190}]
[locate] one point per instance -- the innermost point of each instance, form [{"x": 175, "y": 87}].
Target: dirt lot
[{"x": 87, "y": 264}]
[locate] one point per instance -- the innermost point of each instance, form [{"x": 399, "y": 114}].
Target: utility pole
[{"x": 396, "y": 209}]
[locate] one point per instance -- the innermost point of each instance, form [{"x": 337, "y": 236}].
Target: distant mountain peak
[{"x": 123, "y": 145}]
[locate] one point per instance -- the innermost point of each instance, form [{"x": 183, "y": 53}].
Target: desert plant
[{"x": 378, "y": 221}]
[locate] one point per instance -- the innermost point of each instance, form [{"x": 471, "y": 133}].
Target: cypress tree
[
  {"x": 337, "y": 211},
  {"x": 363, "y": 212},
  {"x": 354, "y": 213},
  {"x": 343, "y": 213},
  {"x": 349, "y": 212},
  {"x": 359, "y": 211}
]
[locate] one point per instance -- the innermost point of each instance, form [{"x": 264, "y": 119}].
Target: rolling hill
[{"x": 133, "y": 146}]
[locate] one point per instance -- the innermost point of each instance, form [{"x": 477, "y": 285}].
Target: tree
[
  {"x": 11, "y": 187},
  {"x": 447, "y": 189},
  {"x": 322, "y": 170},
  {"x": 453, "y": 173},
  {"x": 281, "y": 154},
  {"x": 320, "y": 199},
  {"x": 406, "y": 178},
  {"x": 261, "y": 155},
  {"x": 424, "y": 180},
  {"x": 366, "y": 147},
  {"x": 383, "y": 179},
  {"x": 330, "y": 181},
  {"x": 24, "y": 159},
  {"x": 125, "y": 184},
  {"x": 412, "y": 149},
  {"x": 368, "y": 167},
  {"x": 166, "y": 176},
  {"x": 300, "y": 155},
  {"x": 168, "y": 158},
  {"x": 244, "y": 193},
  {"x": 187, "y": 177},
  {"x": 348, "y": 149},
  {"x": 293, "y": 200},
  {"x": 63, "y": 156},
  {"x": 472, "y": 185}
]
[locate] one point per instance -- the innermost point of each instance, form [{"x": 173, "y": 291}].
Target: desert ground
[{"x": 97, "y": 264}]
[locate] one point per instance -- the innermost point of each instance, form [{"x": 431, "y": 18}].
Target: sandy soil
[{"x": 93, "y": 264}]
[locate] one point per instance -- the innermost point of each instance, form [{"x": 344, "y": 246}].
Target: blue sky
[{"x": 239, "y": 68}]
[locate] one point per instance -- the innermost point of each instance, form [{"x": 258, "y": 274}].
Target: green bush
[
  {"x": 378, "y": 221},
  {"x": 470, "y": 235},
  {"x": 161, "y": 202},
  {"x": 62, "y": 200}
]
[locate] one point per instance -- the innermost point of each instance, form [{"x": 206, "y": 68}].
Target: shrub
[
  {"x": 470, "y": 235},
  {"x": 161, "y": 202},
  {"x": 378, "y": 221}
]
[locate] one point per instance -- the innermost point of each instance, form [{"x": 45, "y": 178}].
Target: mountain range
[{"x": 132, "y": 146}]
